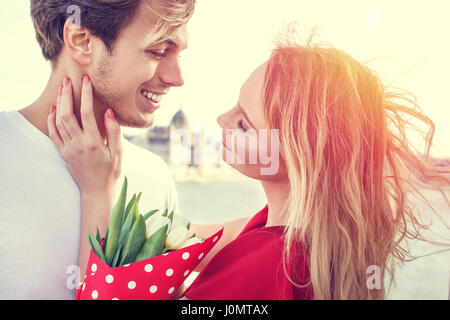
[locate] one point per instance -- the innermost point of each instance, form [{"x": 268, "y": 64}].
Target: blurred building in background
[{"x": 192, "y": 151}]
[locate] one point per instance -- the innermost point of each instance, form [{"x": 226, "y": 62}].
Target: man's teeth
[{"x": 152, "y": 96}]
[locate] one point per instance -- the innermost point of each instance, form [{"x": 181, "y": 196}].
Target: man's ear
[{"x": 79, "y": 42}]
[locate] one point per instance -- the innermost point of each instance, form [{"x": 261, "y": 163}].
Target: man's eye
[{"x": 158, "y": 54}]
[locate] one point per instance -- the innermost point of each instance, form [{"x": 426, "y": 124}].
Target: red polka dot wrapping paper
[{"x": 156, "y": 278}]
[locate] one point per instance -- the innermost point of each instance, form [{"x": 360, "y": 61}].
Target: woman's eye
[{"x": 240, "y": 125}]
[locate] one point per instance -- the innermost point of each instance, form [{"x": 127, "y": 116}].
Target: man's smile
[{"x": 153, "y": 97}]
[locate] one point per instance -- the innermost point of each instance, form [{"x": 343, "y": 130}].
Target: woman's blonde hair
[{"x": 351, "y": 167}]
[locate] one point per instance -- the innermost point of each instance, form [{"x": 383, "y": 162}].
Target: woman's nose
[{"x": 221, "y": 120}]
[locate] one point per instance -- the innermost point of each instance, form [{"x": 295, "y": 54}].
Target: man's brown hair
[{"x": 104, "y": 18}]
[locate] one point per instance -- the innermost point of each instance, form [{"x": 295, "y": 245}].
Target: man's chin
[{"x": 138, "y": 124}]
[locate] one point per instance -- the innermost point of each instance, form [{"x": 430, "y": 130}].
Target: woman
[{"x": 338, "y": 205}]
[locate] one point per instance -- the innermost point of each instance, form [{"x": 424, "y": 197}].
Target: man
[{"x": 130, "y": 50}]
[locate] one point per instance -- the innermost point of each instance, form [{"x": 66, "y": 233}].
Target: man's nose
[{"x": 171, "y": 74}]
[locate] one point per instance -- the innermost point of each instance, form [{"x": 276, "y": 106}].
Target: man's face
[{"x": 139, "y": 72}]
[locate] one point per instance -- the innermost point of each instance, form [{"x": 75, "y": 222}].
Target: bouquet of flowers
[{"x": 141, "y": 256}]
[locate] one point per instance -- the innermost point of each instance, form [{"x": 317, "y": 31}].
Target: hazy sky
[{"x": 228, "y": 39}]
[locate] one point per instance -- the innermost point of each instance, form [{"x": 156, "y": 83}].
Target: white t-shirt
[{"x": 40, "y": 211}]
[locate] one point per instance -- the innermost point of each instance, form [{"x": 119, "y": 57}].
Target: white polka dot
[
  {"x": 185, "y": 256},
  {"x": 94, "y": 294},
  {"x": 153, "y": 289},
  {"x": 115, "y": 299},
  {"x": 171, "y": 290},
  {"x": 131, "y": 285},
  {"x": 94, "y": 267},
  {"x": 109, "y": 278},
  {"x": 186, "y": 273},
  {"x": 200, "y": 255},
  {"x": 148, "y": 268},
  {"x": 126, "y": 265},
  {"x": 169, "y": 272},
  {"x": 84, "y": 286},
  {"x": 215, "y": 238}
]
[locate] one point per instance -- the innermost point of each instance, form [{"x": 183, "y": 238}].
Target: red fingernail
[
  {"x": 52, "y": 109},
  {"x": 110, "y": 113},
  {"x": 66, "y": 81},
  {"x": 86, "y": 79}
]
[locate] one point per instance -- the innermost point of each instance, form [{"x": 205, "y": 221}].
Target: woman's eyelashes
[{"x": 240, "y": 125}]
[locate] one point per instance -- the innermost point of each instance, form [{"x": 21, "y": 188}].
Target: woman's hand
[{"x": 94, "y": 166}]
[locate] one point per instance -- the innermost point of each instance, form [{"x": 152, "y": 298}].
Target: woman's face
[{"x": 248, "y": 145}]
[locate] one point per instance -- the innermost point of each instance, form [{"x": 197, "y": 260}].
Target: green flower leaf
[
  {"x": 115, "y": 224},
  {"x": 154, "y": 245}
]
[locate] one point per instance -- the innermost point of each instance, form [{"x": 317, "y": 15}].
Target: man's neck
[{"x": 37, "y": 112}]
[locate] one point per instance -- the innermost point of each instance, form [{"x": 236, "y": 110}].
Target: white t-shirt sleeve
[{"x": 40, "y": 219}]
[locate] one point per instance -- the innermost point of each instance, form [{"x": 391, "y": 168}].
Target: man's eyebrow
[
  {"x": 245, "y": 115},
  {"x": 169, "y": 42},
  {"x": 158, "y": 42}
]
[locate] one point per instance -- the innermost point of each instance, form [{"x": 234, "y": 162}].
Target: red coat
[{"x": 250, "y": 268}]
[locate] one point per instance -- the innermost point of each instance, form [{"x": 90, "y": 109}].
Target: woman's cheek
[
  {"x": 269, "y": 152},
  {"x": 254, "y": 152}
]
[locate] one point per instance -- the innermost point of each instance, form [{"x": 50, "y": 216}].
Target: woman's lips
[{"x": 226, "y": 138}]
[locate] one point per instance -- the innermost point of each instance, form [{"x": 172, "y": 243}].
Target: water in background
[{"x": 219, "y": 201}]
